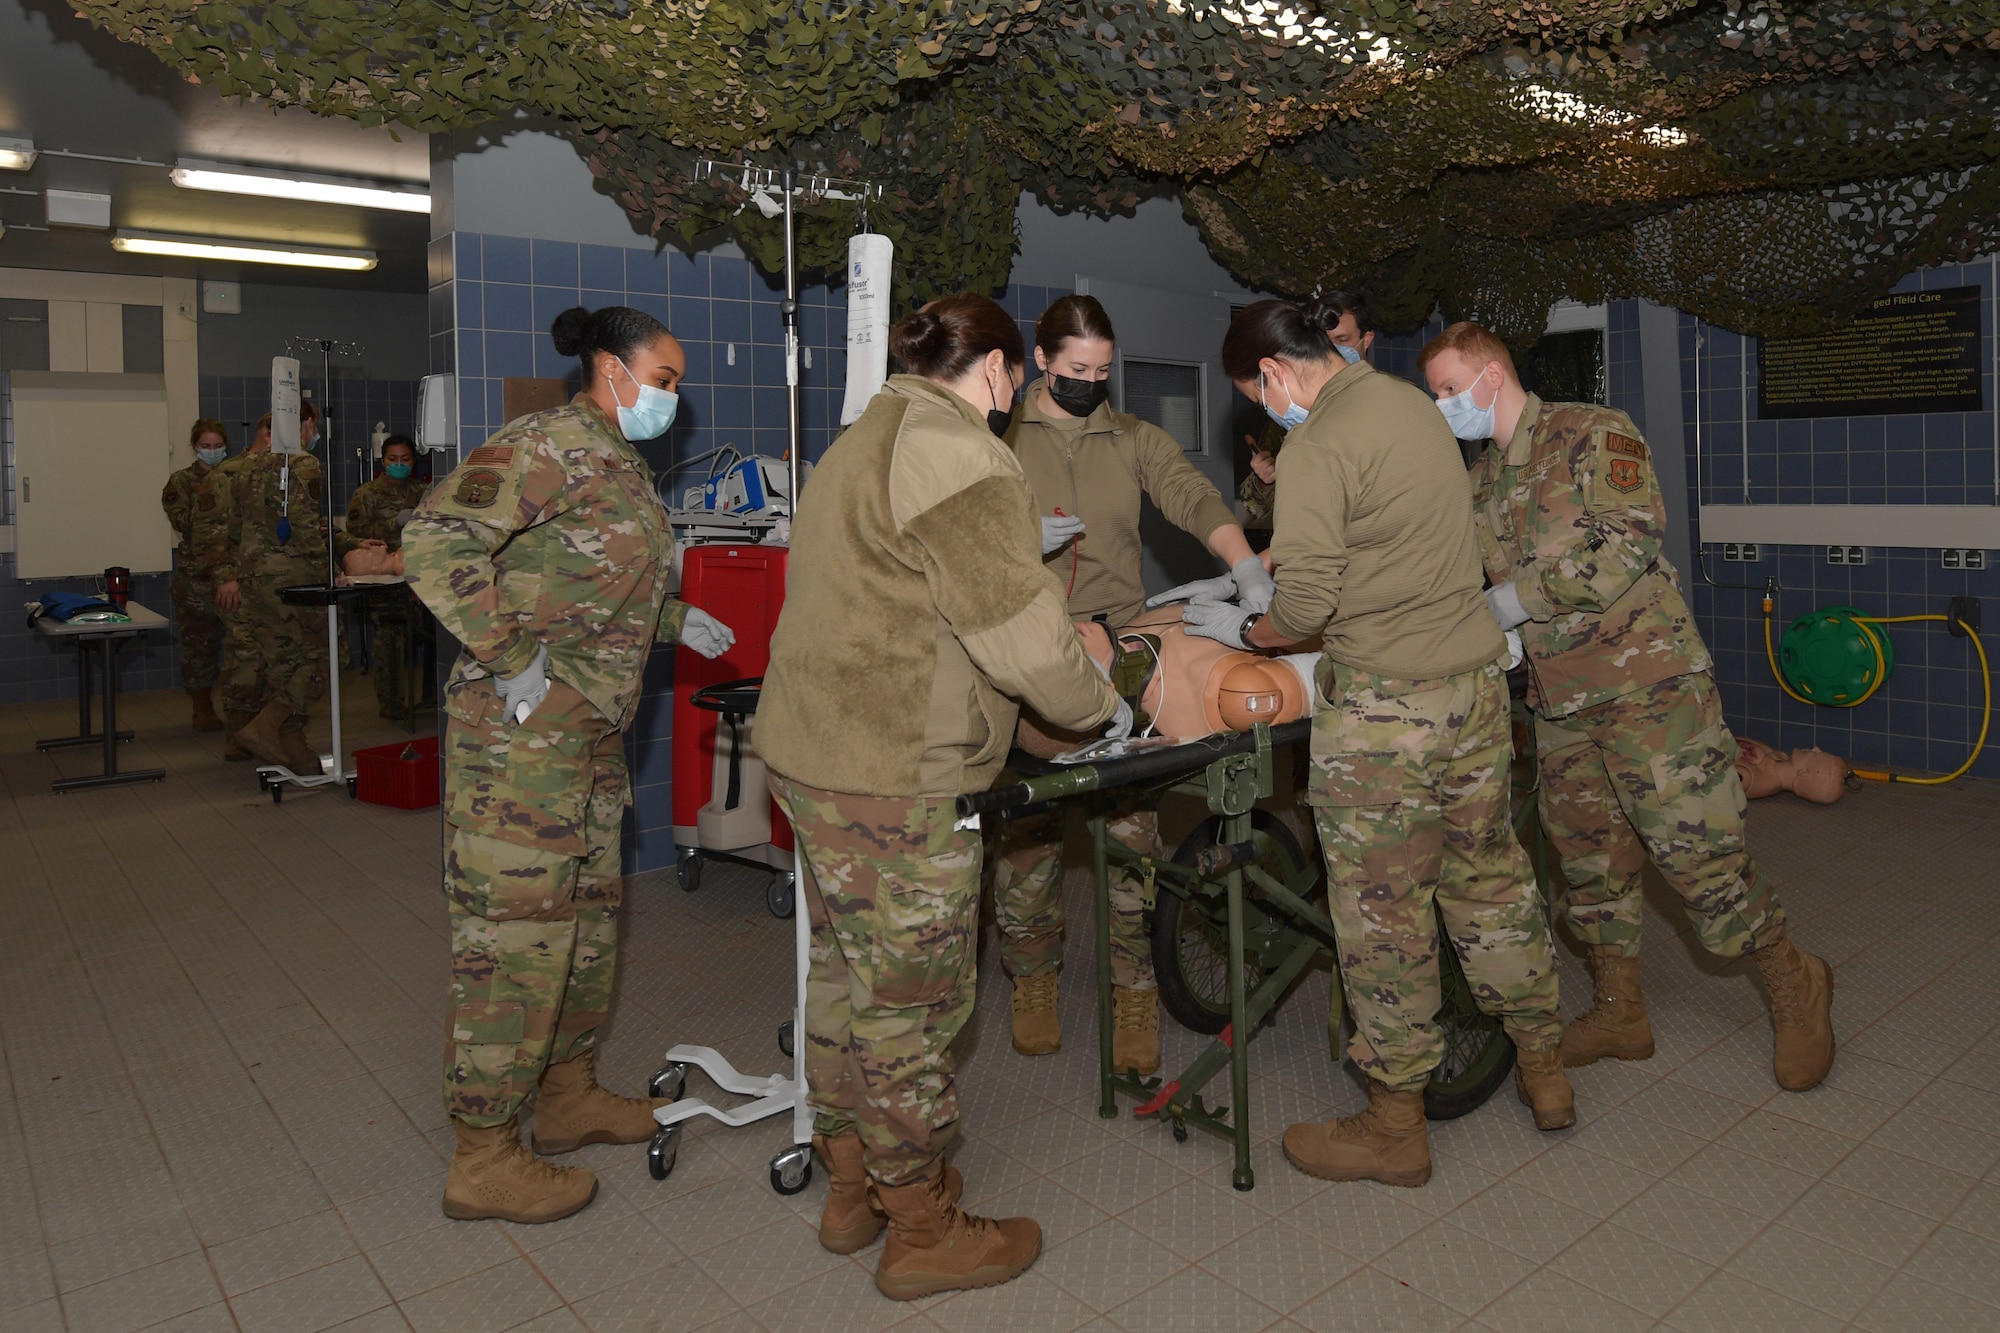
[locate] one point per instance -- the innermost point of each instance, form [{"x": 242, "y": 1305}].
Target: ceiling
[{"x": 70, "y": 86}]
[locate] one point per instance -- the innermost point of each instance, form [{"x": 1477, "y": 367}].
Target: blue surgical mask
[
  {"x": 211, "y": 456},
  {"x": 1291, "y": 418},
  {"x": 648, "y": 418},
  {"x": 1348, "y": 354},
  {"x": 1467, "y": 420},
  {"x": 400, "y": 471}
]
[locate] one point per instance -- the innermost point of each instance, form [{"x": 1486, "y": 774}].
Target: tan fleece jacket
[
  {"x": 1373, "y": 538},
  {"x": 1096, "y": 469},
  {"x": 917, "y": 610}
]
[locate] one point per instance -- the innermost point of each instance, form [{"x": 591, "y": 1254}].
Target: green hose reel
[{"x": 1833, "y": 657}]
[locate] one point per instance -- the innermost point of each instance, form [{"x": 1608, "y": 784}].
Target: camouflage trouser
[
  {"x": 273, "y": 651},
  {"x": 396, "y": 614},
  {"x": 1652, "y": 772},
  {"x": 892, "y": 889},
  {"x": 1028, "y": 899},
  {"x": 1409, "y": 789},
  {"x": 533, "y": 877},
  {"x": 200, "y": 626}
]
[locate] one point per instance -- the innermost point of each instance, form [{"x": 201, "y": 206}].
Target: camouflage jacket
[
  {"x": 549, "y": 535},
  {"x": 371, "y": 514},
  {"x": 179, "y": 498},
  {"x": 1260, "y": 497},
  {"x": 237, "y": 517},
  {"x": 1570, "y": 510}
]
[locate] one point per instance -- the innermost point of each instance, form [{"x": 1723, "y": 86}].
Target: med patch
[
  {"x": 477, "y": 488},
  {"x": 491, "y": 455},
  {"x": 1626, "y": 445}
]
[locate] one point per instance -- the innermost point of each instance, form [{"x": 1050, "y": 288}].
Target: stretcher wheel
[
  {"x": 781, "y": 895},
  {"x": 1191, "y": 935},
  {"x": 687, "y": 871},
  {"x": 785, "y": 1038},
  {"x": 669, "y": 1082},
  {"x": 277, "y": 792},
  {"x": 353, "y": 787},
  {"x": 1477, "y": 1051},
  {"x": 666, "y": 1146},
  {"x": 792, "y": 1169}
]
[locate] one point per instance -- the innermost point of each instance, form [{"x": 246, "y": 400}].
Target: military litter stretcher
[{"x": 1236, "y": 921}]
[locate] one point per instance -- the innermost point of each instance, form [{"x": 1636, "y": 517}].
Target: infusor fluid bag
[
  {"x": 285, "y": 405},
  {"x": 868, "y": 260}
]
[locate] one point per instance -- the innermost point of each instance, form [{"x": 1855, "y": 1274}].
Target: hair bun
[
  {"x": 919, "y": 338},
  {"x": 568, "y": 330},
  {"x": 1322, "y": 313}
]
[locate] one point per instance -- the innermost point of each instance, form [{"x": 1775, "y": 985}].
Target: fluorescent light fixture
[
  {"x": 16, "y": 154},
  {"x": 276, "y": 183},
  {"x": 247, "y": 252}
]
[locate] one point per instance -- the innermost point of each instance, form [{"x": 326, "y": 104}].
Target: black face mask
[
  {"x": 1079, "y": 398},
  {"x": 1000, "y": 418}
]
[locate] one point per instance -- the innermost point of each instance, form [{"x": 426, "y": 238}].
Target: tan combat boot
[
  {"x": 204, "y": 710},
  {"x": 853, "y": 1216},
  {"x": 1801, "y": 988},
  {"x": 260, "y": 734},
  {"x": 492, "y": 1175},
  {"x": 1388, "y": 1142},
  {"x": 1543, "y": 1083},
  {"x": 933, "y": 1247},
  {"x": 572, "y": 1111},
  {"x": 1037, "y": 1028},
  {"x": 1135, "y": 1032},
  {"x": 232, "y": 748},
  {"x": 1616, "y": 1025},
  {"x": 300, "y": 757}
]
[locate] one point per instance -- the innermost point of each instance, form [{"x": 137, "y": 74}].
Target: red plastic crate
[{"x": 383, "y": 776}]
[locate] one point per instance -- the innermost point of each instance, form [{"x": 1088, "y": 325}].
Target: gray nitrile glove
[
  {"x": 705, "y": 634},
  {"x": 1221, "y": 621},
  {"x": 1120, "y": 725},
  {"x": 1058, "y": 529},
  {"x": 522, "y": 693},
  {"x": 1506, "y": 605},
  {"x": 403, "y": 517},
  {"x": 1515, "y": 652},
  {"x": 1221, "y": 588},
  {"x": 1254, "y": 586}
]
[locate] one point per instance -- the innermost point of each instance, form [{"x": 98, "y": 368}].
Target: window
[{"x": 1168, "y": 394}]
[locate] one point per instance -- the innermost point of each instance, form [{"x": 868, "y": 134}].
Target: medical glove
[
  {"x": 1221, "y": 621},
  {"x": 1515, "y": 652},
  {"x": 1121, "y": 723},
  {"x": 1057, "y": 530},
  {"x": 705, "y": 634},
  {"x": 1506, "y": 605},
  {"x": 523, "y": 692},
  {"x": 1221, "y": 588},
  {"x": 1254, "y": 586}
]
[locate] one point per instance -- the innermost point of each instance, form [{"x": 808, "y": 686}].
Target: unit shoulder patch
[
  {"x": 491, "y": 455},
  {"x": 1625, "y": 474},
  {"x": 204, "y": 501},
  {"x": 1625, "y": 444},
  {"x": 478, "y": 488}
]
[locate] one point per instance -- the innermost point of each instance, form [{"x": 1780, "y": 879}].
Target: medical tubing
[{"x": 1881, "y": 673}]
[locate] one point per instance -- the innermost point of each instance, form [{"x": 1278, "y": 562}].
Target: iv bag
[{"x": 868, "y": 260}]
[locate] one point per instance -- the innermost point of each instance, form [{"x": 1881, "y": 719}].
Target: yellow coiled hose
[{"x": 1881, "y": 672}]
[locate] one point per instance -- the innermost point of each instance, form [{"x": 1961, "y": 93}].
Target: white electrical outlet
[
  {"x": 1961, "y": 557},
  {"x": 1747, "y": 552},
  {"x": 1847, "y": 555}
]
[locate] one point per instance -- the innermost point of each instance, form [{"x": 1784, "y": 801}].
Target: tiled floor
[{"x": 221, "y": 1032}]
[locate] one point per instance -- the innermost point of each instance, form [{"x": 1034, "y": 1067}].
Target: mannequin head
[{"x": 1812, "y": 774}]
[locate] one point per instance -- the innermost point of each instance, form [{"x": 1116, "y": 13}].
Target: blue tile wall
[
  {"x": 1928, "y": 714},
  {"x": 504, "y": 291}
]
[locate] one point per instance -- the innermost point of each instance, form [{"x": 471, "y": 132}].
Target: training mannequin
[
  {"x": 1811, "y": 773},
  {"x": 1193, "y": 688}
]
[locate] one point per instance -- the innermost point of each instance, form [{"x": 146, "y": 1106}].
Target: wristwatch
[{"x": 1243, "y": 630}]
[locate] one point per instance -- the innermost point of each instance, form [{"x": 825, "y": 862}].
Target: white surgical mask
[
  {"x": 211, "y": 456},
  {"x": 1291, "y": 418},
  {"x": 1469, "y": 421},
  {"x": 648, "y": 418},
  {"x": 1348, "y": 354}
]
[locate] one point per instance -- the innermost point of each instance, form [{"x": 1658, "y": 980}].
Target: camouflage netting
[{"x": 1769, "y": 165}]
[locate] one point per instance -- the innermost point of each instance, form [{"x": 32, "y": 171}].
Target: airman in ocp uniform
[
  {"x": 377, "y": 512},
  {"x": 195, "y": 617},
  {"x": 267, "y": 532},
  {"x": 1636, "y": 761},
  {"x": 547, "y": 553}
]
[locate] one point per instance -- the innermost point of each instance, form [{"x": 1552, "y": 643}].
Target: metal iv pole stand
[{"x": 273, "y": 777}]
